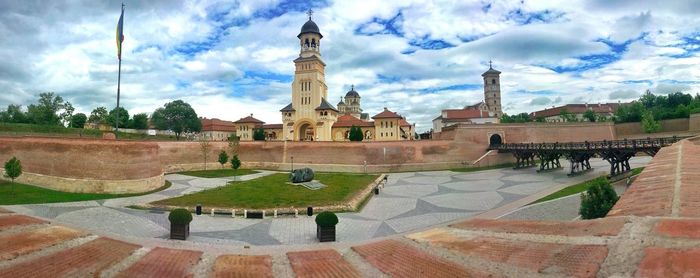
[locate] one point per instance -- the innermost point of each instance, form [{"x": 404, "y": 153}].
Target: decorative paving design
[{"x": 409, "y": 202}]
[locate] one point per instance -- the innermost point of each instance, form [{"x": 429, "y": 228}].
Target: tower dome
[
  {"x": 309, "y": 27},
  {"x": 352, "y": 92}
]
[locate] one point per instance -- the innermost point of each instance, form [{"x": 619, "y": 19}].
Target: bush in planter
[
  {"x": 325, "y": 226},
  {"x": 180, "y": 223},
  {"x": 597, "y": 201}
]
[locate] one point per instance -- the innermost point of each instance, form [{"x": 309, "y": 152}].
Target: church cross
[
  {"x": 310, "y": 12},
  {"x": 490, "y": 64}
]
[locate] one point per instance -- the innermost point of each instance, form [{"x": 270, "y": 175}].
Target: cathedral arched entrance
[
  {"x": 495, "y": 139},
  {"x": 306, "y": 132}
]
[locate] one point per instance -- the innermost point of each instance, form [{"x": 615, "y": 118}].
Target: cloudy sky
[{"x": 230, "y": 59}]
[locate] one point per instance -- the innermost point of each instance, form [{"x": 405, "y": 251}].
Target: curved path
[{"x": 410, "y": 202}]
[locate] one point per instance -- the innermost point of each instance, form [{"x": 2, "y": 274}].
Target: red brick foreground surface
[{"x": 653, "y": 231}]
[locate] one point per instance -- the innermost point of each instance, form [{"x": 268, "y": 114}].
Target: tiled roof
[
  {"x": 453, "y": 114},
  {"x": 577, "y": 109},
  {"x": 249, "y": 119},
  {"x": 326, "y": 106},
  {"x": 403, "y": 122},
  {"x": 272, "y": 126},
  {"x": 288, "y": 108},
  {"x": 348, "y": 120},
  {"x": 386, "y": 114},
  {"x": 217, "y": 125}
]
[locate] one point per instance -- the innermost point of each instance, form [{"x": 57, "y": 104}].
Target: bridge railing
[{"x": 592, "y": 145}]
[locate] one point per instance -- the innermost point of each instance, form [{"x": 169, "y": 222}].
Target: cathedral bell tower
[
  {"x": 309, "y": 117},
  {"x": 492, "y": 91}
]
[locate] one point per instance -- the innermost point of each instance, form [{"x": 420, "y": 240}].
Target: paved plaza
[{"x": 409, "y": 202}]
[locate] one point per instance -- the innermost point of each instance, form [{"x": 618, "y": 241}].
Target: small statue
[{"x": 301, "y": 175}]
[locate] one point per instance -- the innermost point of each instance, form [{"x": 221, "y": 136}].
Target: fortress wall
[
  {"x": 673, "y": 125},
  {"x": 535, "y": 132},
  {"x": 85, "y": 165},
  {"x": 335, "y": 156}
]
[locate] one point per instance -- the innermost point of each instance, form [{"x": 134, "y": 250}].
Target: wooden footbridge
[{"x": 615, "y": 152}]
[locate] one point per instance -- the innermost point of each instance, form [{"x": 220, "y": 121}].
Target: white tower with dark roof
[{"x": 492, "y": 91}]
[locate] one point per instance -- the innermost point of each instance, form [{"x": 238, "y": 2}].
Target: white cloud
[{"x": 228, "y": 64}]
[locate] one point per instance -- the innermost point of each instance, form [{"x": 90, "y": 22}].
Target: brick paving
[
  {"x": 653, "y": 231},
  {"x": 400, "y": 260},
  {"x": 230, "y": 266},
  {"x": 663, "y": 262},
  {"x": 14, "y": 220},
  {"x": 599, "y": 227},
  {"x": 14, "y": 245},
  {"x": 321, "y": 263},
  {"x": 86, "y": 260},
  {"x": 163, "y": 262}
]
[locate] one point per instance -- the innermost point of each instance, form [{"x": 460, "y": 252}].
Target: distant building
[
  {"x": 554, "y": 114},
  {"x": 246, "y": 126},
  {"x": 486, "y": 112},
  {"x": 217, "y": 130}
]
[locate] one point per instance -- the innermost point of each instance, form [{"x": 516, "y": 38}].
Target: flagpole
[{"x": 119, "y": 81}]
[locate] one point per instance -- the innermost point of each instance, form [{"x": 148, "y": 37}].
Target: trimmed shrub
[
  {"x": 180, "y": 216},
  {"x": 326, "y": 219},
  {"x": 223, "y": 158},
  {"x": 597, "y": 201}
]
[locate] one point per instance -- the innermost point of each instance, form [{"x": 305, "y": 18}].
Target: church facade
[
  {"x": 486, "y": 112},
  {"x": 311, "y": 117}
]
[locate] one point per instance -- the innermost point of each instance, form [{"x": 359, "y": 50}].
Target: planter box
[
  {"x": 180, "y": 232},
  {"x": 325, "y": 234}
]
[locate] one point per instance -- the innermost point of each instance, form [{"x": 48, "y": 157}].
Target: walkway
[
  {"x": 409, "y": 202},
  {"x": 651, "y": 232}
]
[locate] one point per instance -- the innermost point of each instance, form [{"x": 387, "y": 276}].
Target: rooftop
[{"x": 249, "y": 119}]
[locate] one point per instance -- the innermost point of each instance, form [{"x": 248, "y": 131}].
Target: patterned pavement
[{"x": 409, "y": 202}]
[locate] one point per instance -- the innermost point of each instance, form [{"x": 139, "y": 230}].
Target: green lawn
[
  {"x": 274, "y": 191},
  {"x": 578, "y": 188},
  {"x": 17, "y": 193},
  {"x": 219, "y": 173},
  {"x": 482, "y": 168}
]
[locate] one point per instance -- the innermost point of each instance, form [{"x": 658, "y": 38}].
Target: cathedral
[{"x": 310, "y": 117}]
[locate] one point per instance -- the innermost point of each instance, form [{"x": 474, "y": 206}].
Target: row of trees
[
  {"x": 177, "y": 116},
  {"x": 671, "y": 106}
]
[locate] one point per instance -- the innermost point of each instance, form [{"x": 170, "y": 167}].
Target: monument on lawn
[{"x": 301, "y": 175}]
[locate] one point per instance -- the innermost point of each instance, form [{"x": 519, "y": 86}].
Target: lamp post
[{"x": 292, "y": 163}]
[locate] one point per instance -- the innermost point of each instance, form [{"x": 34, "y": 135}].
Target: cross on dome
[{"x": 310, "y": 12}]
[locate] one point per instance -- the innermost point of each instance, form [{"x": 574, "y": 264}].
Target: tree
[
  {"x": 234, "y": 144},
  {"x": 519, "y": 118},
  {"x": 567, "y": 116},
  {"x": 140, "y": 121},
  {"x": 13, "y": 114},
  {"x": 590, "y": 115},
  {"x": 78, "y": 120},
  {"x": 235, "y": 164},
  {"x": 649, "y": 124},
  {"x": 67, "y": 113},
  {"x": 45, "y": 112},
  {"x": 123, "y": 117},
  {"x": 355, "y": 134},
  {"x": 13, "y": 169},
  {"x": 259, "y": 134},
  {"x": 223, "y": 158},
  {"x": 98, "y": 115},
  {"x": 205, "y": 146},
  {"x": 597, "y": 201},
  {"x": 177, "y": 116}
]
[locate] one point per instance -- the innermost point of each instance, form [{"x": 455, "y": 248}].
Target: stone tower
[
  {"x": 309, "y": 117},
  {"x": 492, "y": 91}
]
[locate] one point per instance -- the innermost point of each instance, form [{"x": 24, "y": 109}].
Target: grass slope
[
  {"x": 17, "y": 193},
  {"x": 274, "y": 191},
  {"x": 482, "y": 168},
  {"x": 578, "y": 188},
  {"x": 219, "y": 173}
]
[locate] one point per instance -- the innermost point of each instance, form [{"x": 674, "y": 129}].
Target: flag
[{"x": 120, "y": 34}]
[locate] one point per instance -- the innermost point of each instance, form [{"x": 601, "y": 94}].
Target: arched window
[
  {"x": 306, "y": 43},
  {"x": 493, "y": 81},
  {"x": 313, "y": 43}
]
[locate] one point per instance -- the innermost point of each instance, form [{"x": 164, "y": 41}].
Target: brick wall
[{"x": 673, "y": 125}]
